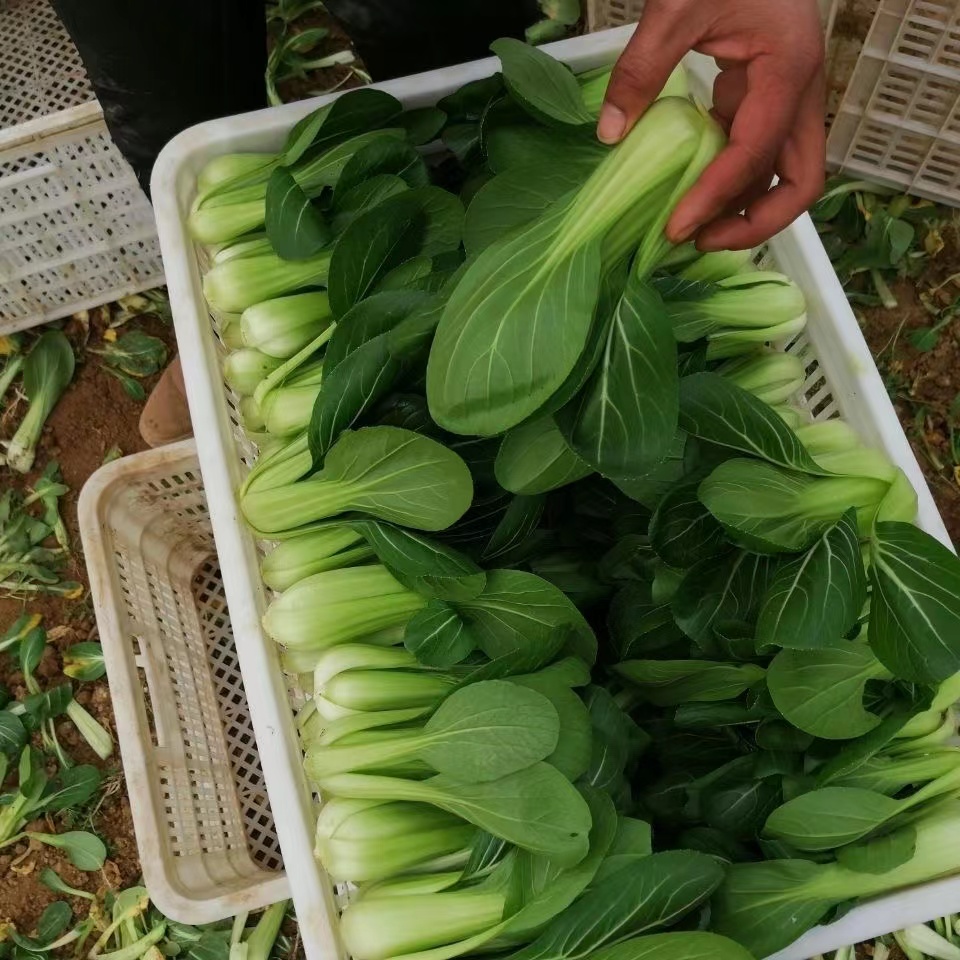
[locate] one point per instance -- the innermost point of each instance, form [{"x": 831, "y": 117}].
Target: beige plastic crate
[
  {"x": 76, "y": 230},
  {"x": 205, "y": 831},
  {"x": 899, "y": 121}
]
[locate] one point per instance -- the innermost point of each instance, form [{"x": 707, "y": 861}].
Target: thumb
[{"x": 656, "y": 47}]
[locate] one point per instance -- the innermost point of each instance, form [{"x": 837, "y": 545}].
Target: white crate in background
[
  {"x": 205, "y": 831},
  {"x": 842, "y": 379},
  {"x": 76, "y": 230},
  {"x": 899, "y": 121}
]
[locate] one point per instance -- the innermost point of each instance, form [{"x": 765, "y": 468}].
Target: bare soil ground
[{"x": 93, "y": 416}]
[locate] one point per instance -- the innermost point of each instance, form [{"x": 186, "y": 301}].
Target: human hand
[{"x": 769, "y": 97}]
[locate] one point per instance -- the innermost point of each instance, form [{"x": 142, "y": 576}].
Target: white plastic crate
[
  {"x": 76, "y": 230},
  {"x": 842, "y": 378},
  {"x": 899, "y": 121},
  {"x": 205, "y": 832}
]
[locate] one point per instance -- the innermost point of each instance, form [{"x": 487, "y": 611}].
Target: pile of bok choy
[{"x": 606, "y": 633}]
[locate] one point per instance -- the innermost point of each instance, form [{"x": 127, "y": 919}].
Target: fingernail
[
  {"x": 680, "y": 232},
  {"x": 611, "y": 124}
]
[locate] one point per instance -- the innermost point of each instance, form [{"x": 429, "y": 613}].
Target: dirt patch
[
  {"x": 94, "y": 415},
  {"x": 23, "y": 897},
  {"x": 922, "y": 373},
  {"x": 318, "y": 82}
]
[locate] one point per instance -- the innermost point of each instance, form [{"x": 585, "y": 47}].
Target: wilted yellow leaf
[{"x": 933, "y": 242}]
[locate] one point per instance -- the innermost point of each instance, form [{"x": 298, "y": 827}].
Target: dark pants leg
[
  {"x": 399, "y": 37},
  {"x": 158, "y": 68}
]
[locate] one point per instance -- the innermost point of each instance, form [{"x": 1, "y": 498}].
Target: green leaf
[
  {"x": 924, "y": 339},
  {"x": 534, "y": 458},
  {"x": 295, "y": 225},
  {"x": 541, "y": 85},
  {"x": 53, "y": 921},
  {"x": 13, "y": 735},
  {"x": 355, "y": 111},
  {"x": 30, "y": 651},
  {"x": 210, "y": 945},
  {"x": 717, "y": 410},
  {"x": 47, "y": 705},
  {"x": 859, "y": 751},
  {"x": 682, "y": 530},
  {"x": 84, "y": 850},
  {"x": 713, "y": 593},
  {"x": 481, "y": 732},
  {"x": 537, "y": 809},
  {"x": 48, "y": 367},
  {"x": 544, "y": 31},
  {"x": 915, "y": 607},
  {"x": 830, "y": 817},
  {"x": 766, "y": 906},
  {"x": 489, "y": 730},
  {"x": 437, "y": 636},
  {"x": 365, "y": 376},
  {"x": 638, "y": 626},
  {"x": 675, "y": 288},
  {"x": 769, "y": 509},
  {"x": 432, "y": 569},
  {"x": 740, "y": 810},
  {"x": 398, "y": 476},
  {"x": 425, "y": 221},
  {"x": 84, "y": 662},
  {"x": 366, "y": 320},
  {"x": 423, "y": 124},
  {"x": 633, "y": 842},
  {"x": 131, "y": 387},
  {"x": 513, "y": 330},
  {"x": 821, "y": 691},
  {"x": 516, "y": 197},
  {"x": 53, "y": 881},
  {"x": 670, "y": 682},
  {"x": 470, "y": 102},
  {"x": 518, "y": 522},
  {"x": 655, "y": 892},
  {"x": 363, "y": 197},
  {"x": 652, "y": 486},
  {"x": 566, "y": 12},
  {"x": 72, "y": 787},
  {"x": 524, "y": 146},
  {"x": 136, "y": 354},
  {"x": 681, "y": 945},
  {"x": 411, "y": 274},
  {"x": 881, "y": 854},
  {"x": 575, "y": 742},
  {"x": 548, "y": 889},
  {"x": 371, "y": 246},
  {"x": 518, "y": 609},
  {"x": 383, "y": 156},
  {"x": 816, "y": 599},
  {"x": 624, "y": 421},
  {"x": 389, "y": 473}
]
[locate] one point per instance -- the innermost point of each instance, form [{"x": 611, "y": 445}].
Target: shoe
[{"x": 166, "y": 416}]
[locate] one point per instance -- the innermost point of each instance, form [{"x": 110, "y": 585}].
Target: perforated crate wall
[
  {"x": 899, "y": 122},
  {"x": 203, "y": 821},
  {"x": 75, "y": 228}
]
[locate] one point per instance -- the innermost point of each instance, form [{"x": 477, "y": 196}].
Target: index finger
[
  {"x": 801, "y": 169},
  {"x": 759, "y": 130}
]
